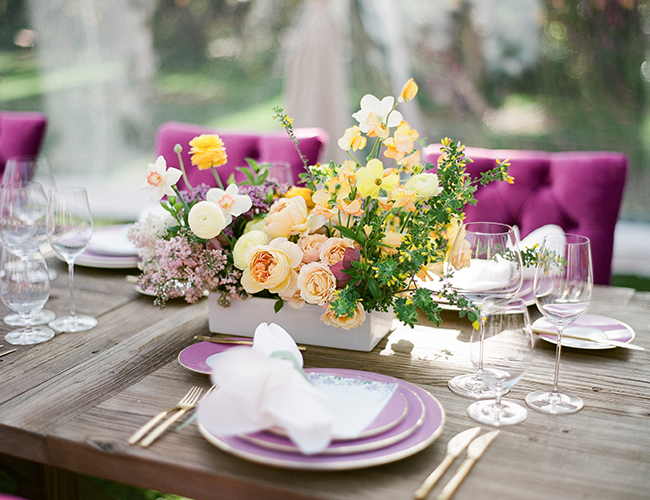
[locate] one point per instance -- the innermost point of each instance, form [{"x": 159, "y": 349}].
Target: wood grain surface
[{"x": 71, "y": 404}]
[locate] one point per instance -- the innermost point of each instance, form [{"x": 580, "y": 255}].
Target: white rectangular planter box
[{"x": 304, "y": 324}]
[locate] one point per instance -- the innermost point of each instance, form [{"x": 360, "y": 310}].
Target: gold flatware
[
  {"x": 219, "y": 340},
  {"x": 7, "y": 352},
  {"x": 185, "y": 406},
  {"x": 591, "y": 338},
  {"x": 192, "y": 395},
  {"x": 455, "y": 447},
  {"x": 474, "y": 451}
]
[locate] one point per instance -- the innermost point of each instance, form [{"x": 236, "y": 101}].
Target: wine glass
[
  {"x": 23, "y": 207},
  {"x": 69, "y": 228},
  {"x": 484, "y": 262},
  {"x": 21, "y": 169},
  {"x": 563, "y": 283},
  {"x": 25, "y": 288},
  {"x": 280, "y": 173},
  {"x": 503, "y": 348}
]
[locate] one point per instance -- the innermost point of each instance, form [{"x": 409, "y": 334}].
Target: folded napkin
[
  {"x": 264, "y": 386},
  {"x": 484, "y": 275},
  {"x": 536, "y": 237}
]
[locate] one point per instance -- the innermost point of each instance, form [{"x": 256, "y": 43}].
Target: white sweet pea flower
[
  {"x": 161, "y": 179},
  {"x": 372, "y": 109},
  {"x": 230, "y": 201}
]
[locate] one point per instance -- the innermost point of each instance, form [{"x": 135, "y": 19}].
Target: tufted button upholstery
[
  {"x": 579, "y": 191},
  {"x": 21, "y": 134},
  {"x": 262, "y": 147}
]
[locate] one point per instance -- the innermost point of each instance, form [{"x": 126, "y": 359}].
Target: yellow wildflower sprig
[{"x": 287, "y": 124}]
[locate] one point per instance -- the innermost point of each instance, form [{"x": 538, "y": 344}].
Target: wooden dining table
[{"x": 69, "y": 405}]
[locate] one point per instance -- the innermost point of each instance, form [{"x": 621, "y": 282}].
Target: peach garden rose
[
  {"x": 345, "y": 322},
  {"x": 316, "y": 283},
  {"x": 271, "y": 267}
]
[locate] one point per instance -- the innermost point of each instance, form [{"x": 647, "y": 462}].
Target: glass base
[
  {"x": 73, "y": 323},
  {"x": 35, "y": 335},
  {"x": 561, "y": 403},
  {"x": 42, "y": 318},
  {"x": 470, "y": 386},
  {"x": 488, "y": 412}
]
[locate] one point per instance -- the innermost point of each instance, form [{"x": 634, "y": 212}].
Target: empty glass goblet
[
  {"x": 563, "y": 284},
  {"x": 484, "y": 261},
  {"x": 28, "y": 168},
  {"x": 25, "y": 288},
  {"x": 69, "y": 229},
  {"x": 503, "y": 347},
  {"x": 23, "y": 207}
]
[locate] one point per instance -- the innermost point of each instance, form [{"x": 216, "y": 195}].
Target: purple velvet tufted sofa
[
  {"x": 262, "y": 147},
  {"x": 21, "y": 134},
  {"x": 579, "y": 191}
]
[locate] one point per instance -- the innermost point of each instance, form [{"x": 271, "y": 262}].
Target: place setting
[
  {"x": 110, "y": 248},
  {"x": 315, "y": 418}
]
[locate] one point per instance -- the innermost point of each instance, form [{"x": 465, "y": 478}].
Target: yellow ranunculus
[
  {"x": 409, "y": 91},
  {"x": 208, "y": 151},
  {"x": 301, "y": 191},
  {"x": 352, "y": 139},
  {"x": 372, "y": 178}
]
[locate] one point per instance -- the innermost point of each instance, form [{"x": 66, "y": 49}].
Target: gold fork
[
  {"x": 185, "y": 406},
  {"x": 193, "y": 393}
]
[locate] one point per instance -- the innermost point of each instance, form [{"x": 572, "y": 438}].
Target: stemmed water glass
[
  {"x": 22, "y": 169},
  {"x": 563, "y": 285},
  {"x": 25, "y": 288},
  {"x": 23, "y": 207},
  {"x": 503, "y": 349},
  {"x": 484, "y": 261},
  {"x": 69, "y": 229}
]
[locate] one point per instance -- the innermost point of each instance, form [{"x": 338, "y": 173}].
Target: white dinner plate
[
  {"x": 587, "y": 324},
  {"x": 112, "y": 240},
  {"x": 90, "y": 259}
]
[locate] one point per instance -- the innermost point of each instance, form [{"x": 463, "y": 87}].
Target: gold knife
[
  {"x": 474, "y": 451},
  {"x": 219, "y": 340},
  {"x": 616, "y": 343},
  {"x": 455, "y": 447}
]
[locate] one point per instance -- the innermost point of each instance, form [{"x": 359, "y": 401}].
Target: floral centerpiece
[{"x": 352, "y": 239}]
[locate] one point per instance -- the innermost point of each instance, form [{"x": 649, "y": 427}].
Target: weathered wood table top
[{"x": 71, "y": 404}]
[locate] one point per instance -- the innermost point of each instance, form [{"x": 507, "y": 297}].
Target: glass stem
[
  {"x": 71, "y": 278},
  {"x": 558, "y": 352}
]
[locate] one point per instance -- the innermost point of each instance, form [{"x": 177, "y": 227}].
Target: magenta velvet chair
[
  {"x": 21, "y": 134},
  {"x": 260, "y": 146},
  {"x": 579, "y": 191}
]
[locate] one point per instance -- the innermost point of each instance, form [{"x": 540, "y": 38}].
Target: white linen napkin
[
  {"x": 264, "y": 386},
  {"x": 484, "y": 274},
  {"x": 536, "y": 237}
]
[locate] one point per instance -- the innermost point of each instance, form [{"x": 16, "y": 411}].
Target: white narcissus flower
[
  {"x": 230, "y": 201},
  {"x": 206, "y": 220},
  {"x": 371, "y": 106},
  {"x": 161, "y": 179}
]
